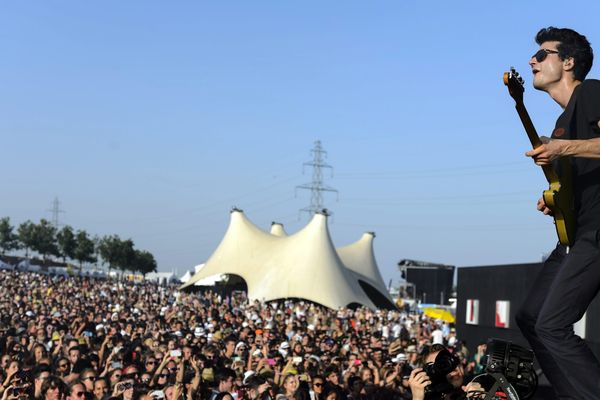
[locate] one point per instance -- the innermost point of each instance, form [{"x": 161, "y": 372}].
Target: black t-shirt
[{"x": 580, "y": 121}]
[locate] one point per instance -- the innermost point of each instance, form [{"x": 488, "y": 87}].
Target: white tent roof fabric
[
  {"x": 302, "y": 265},
  {"x": 277, "y": 229},
  {"x": 186, "y": 277}
]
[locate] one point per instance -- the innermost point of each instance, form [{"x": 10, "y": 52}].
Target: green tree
[
  {"x": 96, "y": 239},
  {"x": 66, "y": 243},
  {"x": 117, "y": 253},
  {"x": 26, "y": 235},
  {"x": 8, "y": 239},
  {"x": 44, "y": 242},
  {"x": 144, "y": 262},
  {"x": 126, "y": 259},
  {"x": 84, "y": 250},
  {"x": 108, "y": 249}
]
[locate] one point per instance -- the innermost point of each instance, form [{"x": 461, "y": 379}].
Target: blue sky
[{"x": 151, "y": 119}]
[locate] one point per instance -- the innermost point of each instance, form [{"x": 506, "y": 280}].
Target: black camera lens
[
  {"x": 406, "y": 370},
  {"x": 444, "y": 363}
]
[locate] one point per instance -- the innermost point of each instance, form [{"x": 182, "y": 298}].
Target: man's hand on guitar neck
[
  {"x": 550, "y": 150},
  {"x": 541, "y": 206}
]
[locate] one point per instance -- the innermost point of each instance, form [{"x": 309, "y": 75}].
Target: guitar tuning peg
[{"x": 512, "y": 69}]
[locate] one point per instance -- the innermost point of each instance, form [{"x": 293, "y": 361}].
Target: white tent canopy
[
  {"x": 208, "y": 281},
  {"x": 302, "y": 265}
]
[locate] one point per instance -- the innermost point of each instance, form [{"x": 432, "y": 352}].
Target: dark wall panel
[
  {"x": 505, "y": 282},
  {"x": 489, "y": 284},
  {"x": 431, "y": 283}
]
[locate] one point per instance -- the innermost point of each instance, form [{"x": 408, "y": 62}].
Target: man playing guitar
[{"x": 570, "y": 277}]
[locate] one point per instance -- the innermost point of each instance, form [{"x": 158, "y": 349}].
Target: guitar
[{"x": 559, "y": 196}]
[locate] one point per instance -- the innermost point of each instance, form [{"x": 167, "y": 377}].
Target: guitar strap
[{"x": 566, "y": 129}]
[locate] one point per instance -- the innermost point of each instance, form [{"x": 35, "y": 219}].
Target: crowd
[{"x": 83, "y": 338}]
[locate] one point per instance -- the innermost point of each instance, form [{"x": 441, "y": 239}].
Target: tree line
[{"x": 67, "y": 244}]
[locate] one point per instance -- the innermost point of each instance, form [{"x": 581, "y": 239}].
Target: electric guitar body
[{"x": 559, "y": 196}]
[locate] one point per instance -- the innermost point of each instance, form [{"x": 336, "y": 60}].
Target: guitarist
[{"x": 570, "y": 277}]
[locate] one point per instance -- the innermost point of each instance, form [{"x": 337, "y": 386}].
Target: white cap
[
  {"x": 400, "y": 357},
  {"x": 157, "y": 394},
  {"x": 199, "y": 331},
  {"x": 247, "y": 375},
  {"x": 240, "y": 344}
]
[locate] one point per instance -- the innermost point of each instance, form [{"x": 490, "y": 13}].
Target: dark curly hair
[{"x": 572, "y": 44}]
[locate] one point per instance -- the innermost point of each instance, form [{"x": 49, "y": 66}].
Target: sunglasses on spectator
[
  {"x": 89, "y": 378},
  {"x": 163, "y": 376},
  {"x": 541, "y": 54},
  {"x": 317, "y": 384}
]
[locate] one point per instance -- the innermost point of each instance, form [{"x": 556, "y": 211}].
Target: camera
[
  {"x": 514, "y": 364},
  {"x": 124, "y": 386},
  {"x": 445, "y": 362},
  {"x": 405, "y": 371}
]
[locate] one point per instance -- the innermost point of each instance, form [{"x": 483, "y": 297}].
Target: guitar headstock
[{"x": 515, "y": 84}]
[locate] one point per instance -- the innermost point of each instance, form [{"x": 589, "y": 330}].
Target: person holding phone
[{"x": 124, "y": 390}]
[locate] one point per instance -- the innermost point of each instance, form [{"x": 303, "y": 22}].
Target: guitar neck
[
  {"x": 529, "y": 128},
  {"x": 534, "y": 138}
]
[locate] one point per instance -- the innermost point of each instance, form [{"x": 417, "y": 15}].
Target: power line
[
  {"x": 55, "y": 210},
  {"x": 316, "y": 187}
]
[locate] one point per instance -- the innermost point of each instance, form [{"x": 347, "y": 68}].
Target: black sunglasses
[{"x": 541, "y": 54}]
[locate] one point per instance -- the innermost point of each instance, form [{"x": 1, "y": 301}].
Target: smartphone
[
  {"x": 271, "y": 361},
  {"x": 175, "y": 353},
  {"x": 296, "y": 360},
  {"x": 116, "y": 365}
]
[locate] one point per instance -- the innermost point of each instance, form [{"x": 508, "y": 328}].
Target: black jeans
[{"x": 561, "y": 294}]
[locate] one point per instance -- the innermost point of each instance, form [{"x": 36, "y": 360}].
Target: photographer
[{"x": 446, "y": 380}]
